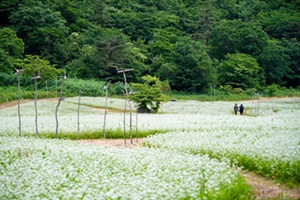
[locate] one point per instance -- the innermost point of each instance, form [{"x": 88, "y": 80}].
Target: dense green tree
[
  {"x": 6, "y": 7},
  {"x": 10, "y": 43},
  {"x": 239, "y": 71},
  {"x": 235, "y": 36},
  {"x": 11, "y": 49},
  {"x": 135, "y": 25},
  {"x": 162, "y": 43},
  {"x": 149, "y": 94},
  {"x": 194, "y": 71},
  {"x": 281, "y": 23},
  {"x": 100, "y": 15},
  {"x": 84, "y": 61},
  {"x": 113, "y": 51},
  {"x": 43, "y": 30},
  {"x": 97, "y": 52},
  {"x": 293, "y": 50},
  {"x": 203, "y": 15},
  {"x": 89, "y": 38},
  {"x": 244, "y": 10},
  {"x": 75, "y": 12},
  {"x": 280, "y": 61},
  {"x": 6, "y": 62},
  {"x": 34, "y": 65}
]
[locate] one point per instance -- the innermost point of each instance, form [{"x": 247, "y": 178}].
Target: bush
[{"x": 272, "y": 89}]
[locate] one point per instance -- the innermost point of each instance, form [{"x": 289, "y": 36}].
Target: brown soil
[
  {"x": 120, "y": 143},
  {"x": 263, "y": 188}
]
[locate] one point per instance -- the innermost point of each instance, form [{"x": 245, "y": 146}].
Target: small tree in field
[{"x": 148, "y": 95}]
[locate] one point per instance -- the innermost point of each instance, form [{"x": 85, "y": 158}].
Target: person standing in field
[
  {"x": 235, "y": 108},
  {"x": 241, "y": 109}
]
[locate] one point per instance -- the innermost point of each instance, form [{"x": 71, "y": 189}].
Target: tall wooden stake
[
  {"x": 18, "y": 72},
  {"x": 35, "y": 104},
  {"x": 59, "y": 100},
  {"x": 258, "y": 97},
  {"x": 136, "y": 126},
  {"x": 127, "y": 100},
  {"x": 78, "y": 122},
  {"x": 105, "y": 112}
]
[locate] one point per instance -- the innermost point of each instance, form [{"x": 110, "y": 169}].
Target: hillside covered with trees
[{"x": 193, "y": 45}]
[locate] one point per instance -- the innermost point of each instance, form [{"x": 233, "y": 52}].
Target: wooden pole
[
  {"x": 59, "y": 100},
  {"x": 35, "y": 104},
  {"x": 130, "y": 112},
  {"x": 105, "y": 112},
  {"x": 78, "y": 122},
  {"x": 127, "y": 100},
  {"x": 136, "y": 126},
  {"x": 18, "y": 72},
  {"x": 126, "y": 92},
  {"x": 47, "y": 88},
  {"x": 257, "y": 104}
]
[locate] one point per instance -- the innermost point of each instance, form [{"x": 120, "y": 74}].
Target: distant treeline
[{"x": 194, "y": 45}]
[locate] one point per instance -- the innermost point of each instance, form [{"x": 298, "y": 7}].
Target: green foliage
[
  {"x": 148, "y": 95},
  {"x": 43, "y": 30},
  {"x": 8, "y": 94},
  {"x": 239, "y": 187},
  {"x": 114, "y": 51},
  {"x": 11, "y": 49},
  {"x": 6, "y": 62},
  {"x": 34, "y": 65},
  {"x": 239, "y": 71},
  {"x": 6, "y": 7},
  {"x": 281, "y": 23},
  {"x": 163, "y": 38},
  {"x": 236, "y": 36},
  {"x": 292, "y": 48},
  {"x": 12, "y": 80},
  {"x": 272, "y": 89},
  {"x": 194, "y": 70},
  {"x": 275, "y": 61},
  {"x": 10, "y": 43}
]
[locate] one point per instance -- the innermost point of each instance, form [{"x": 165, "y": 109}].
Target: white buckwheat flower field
[{"x": 196, "y": 152}]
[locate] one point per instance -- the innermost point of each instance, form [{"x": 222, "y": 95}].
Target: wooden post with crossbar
[
  {"x": 35, "y": 104},
  {"x": 127, "y": 100}
]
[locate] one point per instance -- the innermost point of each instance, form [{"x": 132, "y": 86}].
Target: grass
[{"x": 90, "y": 135}]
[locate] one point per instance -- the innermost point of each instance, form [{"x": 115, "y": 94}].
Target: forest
[{"x": 193, "y": 45}]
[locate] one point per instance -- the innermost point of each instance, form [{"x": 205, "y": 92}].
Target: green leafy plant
[
  {"x": 148, "y": 95},
  {"x": 32, "y": 65}
]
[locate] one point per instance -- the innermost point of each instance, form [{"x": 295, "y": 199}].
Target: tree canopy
[{"x": 187, "y": 43}]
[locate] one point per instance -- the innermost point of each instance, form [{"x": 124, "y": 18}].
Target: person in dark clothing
[
  {"x": 235, "y": 108},
  {"x": 241, "y": 109}
]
